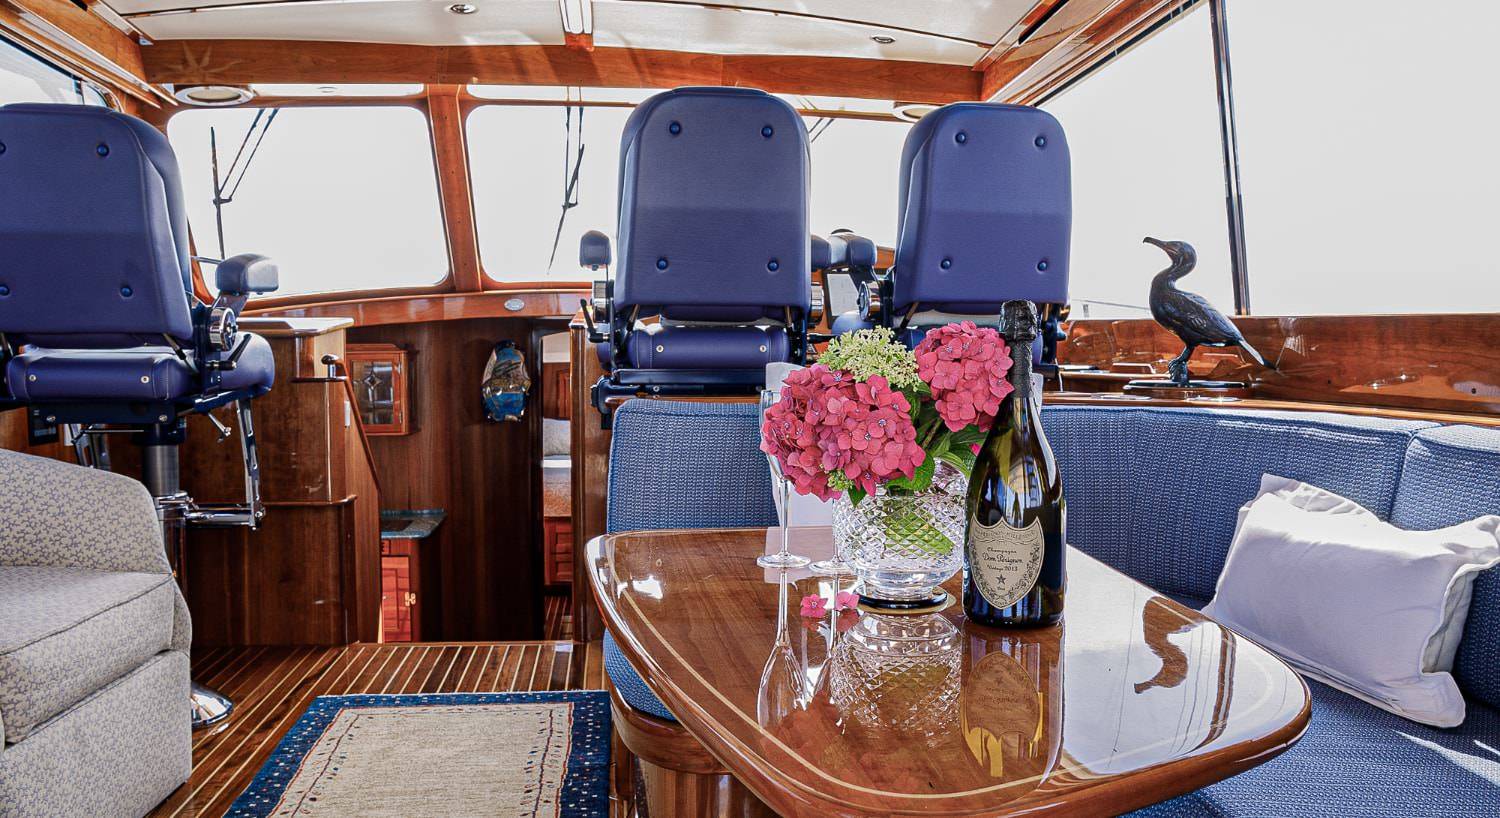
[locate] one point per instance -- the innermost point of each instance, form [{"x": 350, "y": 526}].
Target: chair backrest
[
  {"x": 984, "y": 211},
  {"x": 93, "y": 231},
  {"x": 687, "y": 465},
  {"x": 713, "y": 207}
]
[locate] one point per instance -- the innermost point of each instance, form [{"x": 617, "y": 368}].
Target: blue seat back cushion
[
  {"x": 682, "y": 465},
  {"x": 1452, "y": 474},
  {"x": 713, "y": 206},
  {"x": 984, "y": 209},
  {"x": 91, "y": 207},
  {"x": 1156, "y": 492},
  {"x": 676, "y": 464}
]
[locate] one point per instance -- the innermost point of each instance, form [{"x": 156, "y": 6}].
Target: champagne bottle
[{"x": 1014, "y": 545}]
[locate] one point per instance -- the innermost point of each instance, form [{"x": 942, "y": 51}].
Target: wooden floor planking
[{"x": 272, "y": 686}]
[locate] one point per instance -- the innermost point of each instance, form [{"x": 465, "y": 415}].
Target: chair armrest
[
  {"x": 247, "y": 273},
  {"x": 61, "y": 515},
  {"x": 593, "y": 250}
]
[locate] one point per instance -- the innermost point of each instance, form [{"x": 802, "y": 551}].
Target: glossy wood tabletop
[{"x": 1131, "y": 700}]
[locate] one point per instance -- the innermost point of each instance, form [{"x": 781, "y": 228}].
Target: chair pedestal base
[{"x": 209, "y": 706}]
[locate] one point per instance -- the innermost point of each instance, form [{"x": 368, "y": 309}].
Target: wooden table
[{"x": 1131, "y": 700}]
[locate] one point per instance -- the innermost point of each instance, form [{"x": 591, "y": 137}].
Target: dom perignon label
[{"x": 1005, "y": 562}]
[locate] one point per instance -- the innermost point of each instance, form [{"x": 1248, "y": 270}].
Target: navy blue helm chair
[
  {"x": 99, "y": 329},
  {"x": 712, "y": 279},
  {"x": 984, "y": 215}
]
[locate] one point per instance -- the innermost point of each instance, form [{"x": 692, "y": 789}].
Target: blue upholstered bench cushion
[
  {"x": 1358, "y": 760},
  {"x": 676, "y": 464},
  {"x": 632, "y": 687},
  {"x": 1452, "y": 474},
  {"x": 1155, "y": 492}
]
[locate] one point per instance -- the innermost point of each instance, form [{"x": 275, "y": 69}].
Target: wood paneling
[
  {"x": 970, "y": 723},
  {"x": 272, "y": 687},
  {"x": 412, "y": 309},
  {"x": 557, "y": 393},
  {"x": 310, "y": 573},
  {"x": 1421, "y": 363},
  {"x": 239, "y": 62},
  {"x": 486, "y": 576},
  {"x": 590, "y": 475}
]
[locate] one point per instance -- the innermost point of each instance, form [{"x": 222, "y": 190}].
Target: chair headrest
[
  {"x": 985, "y": 210},
  {"x": 713, "y": 205},
  {"x": 93, "y": 232}
]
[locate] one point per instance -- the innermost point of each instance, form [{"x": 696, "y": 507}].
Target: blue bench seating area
[{"x": 1154, "y": 492}]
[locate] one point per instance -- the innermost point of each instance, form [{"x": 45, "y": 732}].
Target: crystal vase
[{"x": 903, "y": 546}]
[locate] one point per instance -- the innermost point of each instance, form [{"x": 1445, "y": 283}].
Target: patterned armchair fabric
[
  {"x": 61, "y": 515},
  {"x": 94, "y": 635}
]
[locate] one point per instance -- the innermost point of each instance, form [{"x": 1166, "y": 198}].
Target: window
[
  {"x": 25, "y": 78},
  {"x": 520, "y": 158},
  {"x": 1144, "y": 137},
  {"x": 520, "y": 161},
  {"x": 341, "y": 197},
  {"x": 855, "y": 166},
  {"x": 1369, "y": 181}
]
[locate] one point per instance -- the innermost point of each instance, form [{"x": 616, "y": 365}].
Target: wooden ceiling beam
[{"x": 239, "y": 62}]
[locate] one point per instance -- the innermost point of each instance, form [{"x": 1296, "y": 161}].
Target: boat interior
[{"x": 379, "y": 430}]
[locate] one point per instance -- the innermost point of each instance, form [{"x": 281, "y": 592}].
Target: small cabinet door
[{"x": 378, "y": 374}]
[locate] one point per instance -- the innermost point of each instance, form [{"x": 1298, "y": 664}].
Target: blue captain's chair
[
  {"x": 712, "y": 278},
  {"x": 99, "y": 329},
  {"x": 984, "y": 214}
]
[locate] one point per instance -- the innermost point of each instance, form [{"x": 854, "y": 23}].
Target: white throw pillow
[{"x": 1352, "y": 601}]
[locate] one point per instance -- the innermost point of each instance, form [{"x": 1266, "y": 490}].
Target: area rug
[{"x": 452, "y": 755}]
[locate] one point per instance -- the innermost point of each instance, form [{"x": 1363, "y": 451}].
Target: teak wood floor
[{"x": 271, "y": 686}]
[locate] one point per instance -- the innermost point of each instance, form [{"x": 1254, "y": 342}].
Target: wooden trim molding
[
  {"x": 450, "y": 150},
  {"x": 1439, "y": 367},
  {"x": 237, "y": 62},
  {"x": 84, "y": 42},
  {"x": 411, "y": 309},
  {"x": 1066, "y": 44}
]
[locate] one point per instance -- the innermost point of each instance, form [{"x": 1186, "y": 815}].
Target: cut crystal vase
[{"x": 903, "y": 546}]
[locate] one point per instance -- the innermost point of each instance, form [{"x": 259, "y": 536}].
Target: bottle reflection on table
[{"x": 1011, "y": 707}]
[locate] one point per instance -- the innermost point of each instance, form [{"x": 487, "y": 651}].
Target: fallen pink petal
[{"x": 813, "y": 605}]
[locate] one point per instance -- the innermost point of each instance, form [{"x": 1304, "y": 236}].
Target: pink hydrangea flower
[
  {"x": 965, "y": 366},
  {"x": 827, "y": 422},
  {"x": 845, "y": 601},
  {"x": 813, "y": 605}
]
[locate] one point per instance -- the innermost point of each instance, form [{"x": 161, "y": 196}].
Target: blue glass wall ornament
[{"x": 505, "y": 383}]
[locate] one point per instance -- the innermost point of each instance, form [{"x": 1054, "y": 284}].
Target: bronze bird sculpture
[{"x": 1189, "y": 315}]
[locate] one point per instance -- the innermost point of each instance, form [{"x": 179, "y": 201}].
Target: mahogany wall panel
[{"x": 484, "y": 581}]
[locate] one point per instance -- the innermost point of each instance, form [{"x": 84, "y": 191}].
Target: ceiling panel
[
  {"x": 629, "y": 23},
  {"x": 418, "y": 22}
]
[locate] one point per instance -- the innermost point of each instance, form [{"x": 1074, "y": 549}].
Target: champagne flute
[
  {"x": 783, "y": 685},
  {"x": 783, "y": 558}
]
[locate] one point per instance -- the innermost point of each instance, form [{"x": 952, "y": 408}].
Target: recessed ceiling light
[
  {"x": 328, "y": 89},
  {"x": 213, "y": 96},
  {"x": 883, "y": 40},
  {"x": 463, "y": 8}
]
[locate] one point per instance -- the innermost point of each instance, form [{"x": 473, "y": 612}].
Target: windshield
[{"x": 343, "y": 198}]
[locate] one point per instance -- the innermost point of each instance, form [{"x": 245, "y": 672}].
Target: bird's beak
[{"x": 1157, "y": 242}]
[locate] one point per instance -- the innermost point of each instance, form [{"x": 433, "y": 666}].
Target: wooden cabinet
[
  {"x": 400, "y": 581},
  {"x": 557, "y": 550},
  {"x": 378, "y": 374}
]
